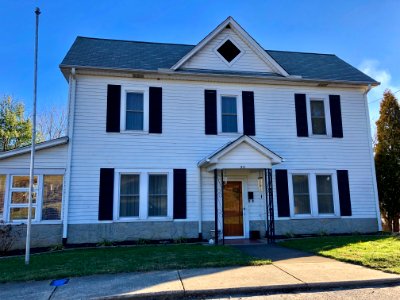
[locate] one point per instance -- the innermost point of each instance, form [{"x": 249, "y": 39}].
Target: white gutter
[
  {"x": 70, "y": 132},
  {"x": 374, "y": 184}
]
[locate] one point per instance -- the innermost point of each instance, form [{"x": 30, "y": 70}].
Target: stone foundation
[
  {"x": 325, "y": 226},
  {"x": 42, "y": 235},
  {"x": 131, "y": 231}
]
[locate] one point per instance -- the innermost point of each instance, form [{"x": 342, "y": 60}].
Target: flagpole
[{"x": 31, "y": 169}]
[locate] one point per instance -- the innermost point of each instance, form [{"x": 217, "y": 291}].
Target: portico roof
[{"x": 242, "y": 153}]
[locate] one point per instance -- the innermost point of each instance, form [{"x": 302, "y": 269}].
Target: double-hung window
[
  {"x": 158, "y": 195},
  {"x": 313, "y": 194},
  {"x": 301, "y": 194},
  {"x": 325, "y": 194},
  {"x": 134, "y": 119},
  {"x": 19, "y": 198},
  {"x": 129, "y": 195},
  {"x": 143, "y": 194},
  {"x": 229, "y": 115},
  {"x": 318, "y": 120}
]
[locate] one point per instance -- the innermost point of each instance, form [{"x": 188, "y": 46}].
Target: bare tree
[{"x": 52, "y": 123}]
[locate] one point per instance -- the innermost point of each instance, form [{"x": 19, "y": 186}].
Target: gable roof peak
[{"x": 253, "y": 44}]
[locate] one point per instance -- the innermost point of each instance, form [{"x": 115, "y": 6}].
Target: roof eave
[
  {"x": 40, "y": 146},
  {"x": 298, "y": 79}
]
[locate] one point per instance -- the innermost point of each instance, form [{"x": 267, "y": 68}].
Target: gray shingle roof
[{"x": 131, "y": 55}]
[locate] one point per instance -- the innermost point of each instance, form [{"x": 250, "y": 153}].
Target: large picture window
[
  {"x": 52, "y": 197},
  {"x": 46, "y": 198}
]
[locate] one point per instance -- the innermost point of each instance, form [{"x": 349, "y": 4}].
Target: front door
[{"x": 233, "y": 209}]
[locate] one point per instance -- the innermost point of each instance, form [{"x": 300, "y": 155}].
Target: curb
[{"x": 299, "y": 287}]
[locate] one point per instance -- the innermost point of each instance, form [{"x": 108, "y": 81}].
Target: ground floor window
[
  {"x": 313, "y": 194},
  {"x": 46, "y": 197},
  {"x": 143, "y": 194}
]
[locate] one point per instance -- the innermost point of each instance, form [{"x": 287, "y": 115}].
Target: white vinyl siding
[{"x": 183, "y": 142}]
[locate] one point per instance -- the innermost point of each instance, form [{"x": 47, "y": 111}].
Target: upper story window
[
  {"x": 229, "y": 115},
  {"x": 134, "y": 111},
  {"x": 318, "y": 117},
  {"x": 229, "y": 51}
]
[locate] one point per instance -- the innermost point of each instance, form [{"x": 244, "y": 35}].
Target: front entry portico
[{"x": 241, "y": 168}]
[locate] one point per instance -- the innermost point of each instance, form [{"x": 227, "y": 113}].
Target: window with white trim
[
  {"x": 313, "y": 194},
  {"x": 19, "y": 198},
  {"x": 3, "y": 179},
  {"x": 52, "y": 197},
  {"x": 230, "y": 112},
  {"x": 46, "y": 198},
  {"x": 301, "y": 194},
  {"x": 325, "y": 194},
  {"x": 135, "y": 110},
  {"x": 143, "y": 194},
  {"x": 129, "y": 195},
  {"x": 158, "y": 194},
  {"x": 318, "y": 114},
  {"x": 229, "y": 116}
]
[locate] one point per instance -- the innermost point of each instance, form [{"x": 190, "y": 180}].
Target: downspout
[
  {"x": 374, "y": 184},
  {"x": 200, "y": 205},
  {"x": 70, "y": 133}
]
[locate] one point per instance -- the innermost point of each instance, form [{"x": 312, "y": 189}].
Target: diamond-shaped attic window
[{"x": 229, "y": 51}]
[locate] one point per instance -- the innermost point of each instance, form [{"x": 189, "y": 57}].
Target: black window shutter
[
  {"x": 179, "y": 193},
  {"x": 155, "y": 110},
  {"x": 282, "y": 193},
  {"x": 106, "y": 194},
  {"x": 336, "y": 116},
  {"x": 301, "y": 114},
  {"x": 113, "y": 108},
  {"x": 249, "y": 123},
  {"x": 344, "y": 192},
  {"x": 210, "y": 111}
]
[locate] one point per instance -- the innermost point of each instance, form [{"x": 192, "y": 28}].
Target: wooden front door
[{"x": 233, "y": 209}]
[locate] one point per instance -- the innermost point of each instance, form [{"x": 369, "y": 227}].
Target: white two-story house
[{"x": 221, "y": 138}]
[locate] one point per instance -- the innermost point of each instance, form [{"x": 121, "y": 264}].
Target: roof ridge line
[{"x": 130, "y": 41}]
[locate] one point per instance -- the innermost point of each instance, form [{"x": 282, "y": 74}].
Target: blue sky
[{"x": 363, "y": 33}]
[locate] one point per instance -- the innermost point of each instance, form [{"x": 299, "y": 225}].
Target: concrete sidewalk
[{"x": 288, "y": 272}]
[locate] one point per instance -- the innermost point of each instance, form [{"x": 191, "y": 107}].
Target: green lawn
[
  {"x": 378, "y": 252},
  {"x": 82, "y": 262}
]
